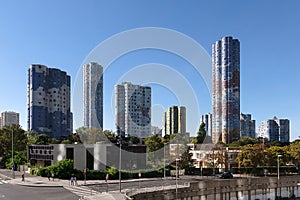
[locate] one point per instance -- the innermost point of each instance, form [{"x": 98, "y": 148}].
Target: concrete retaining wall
[{"x": 234, "y": 189}]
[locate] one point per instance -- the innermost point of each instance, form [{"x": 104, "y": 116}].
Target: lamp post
[
  {"x": 177, "y": 159},
  {"x": 165, "y": 160},
  {"x": 120, "y": 164},
  {"x": 278, "y": 157},
  {"x": 12, "y": 153}
]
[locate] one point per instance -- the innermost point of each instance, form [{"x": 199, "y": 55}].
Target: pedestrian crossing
[
  {"x": 81, "y": 191},
  {"x": 2, "y": 181}
]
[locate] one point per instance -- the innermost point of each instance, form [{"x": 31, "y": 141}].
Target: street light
[
  {"x": 278, "y": 166},
  {"x": 177, "y": 159},
  {"x": 120, "y": 160},
  {"x": 12, "y": 153},
  {"x": 165, "y": 160}
]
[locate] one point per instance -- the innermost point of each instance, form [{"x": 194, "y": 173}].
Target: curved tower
[{"x": 226, "y": 90}]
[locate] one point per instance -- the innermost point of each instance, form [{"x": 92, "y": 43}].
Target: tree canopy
[
  {"x": 202, "y": 136},
  {"x": 16, "y": 135},
  {"x": 90, "y": 135},
  {"x": 19, "y": 139},
  {"x": 154, "y": 143}
]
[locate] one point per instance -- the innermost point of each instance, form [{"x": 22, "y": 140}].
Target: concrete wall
[
  {"x": 60, "y": 153},
  {"x": 246, "y": 188}
]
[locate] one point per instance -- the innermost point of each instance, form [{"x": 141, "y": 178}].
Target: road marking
[
  {"x": 2, "y": 181},
  {"x": 81, "y": 190}
]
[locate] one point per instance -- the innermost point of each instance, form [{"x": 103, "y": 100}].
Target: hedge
[{"x": 64, "y": 170}]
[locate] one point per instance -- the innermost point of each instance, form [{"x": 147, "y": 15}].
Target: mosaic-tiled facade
[
  {"x": 49, "y": 101},
  {"x": 133, "y": 110},
  {"x": 226, "y": 90}
]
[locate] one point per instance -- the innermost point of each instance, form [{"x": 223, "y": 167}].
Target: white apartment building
[
  {"x": 133, "y": 110},
  {"x": 93, "y": 95}
]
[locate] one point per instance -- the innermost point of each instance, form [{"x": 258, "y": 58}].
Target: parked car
[{"x": 226, "y": 175}]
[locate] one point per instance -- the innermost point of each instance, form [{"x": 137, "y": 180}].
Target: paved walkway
[{"x": 80, "y": 189}]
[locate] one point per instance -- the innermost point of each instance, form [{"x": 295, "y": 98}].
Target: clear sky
[{"x": 61, "y": 34}]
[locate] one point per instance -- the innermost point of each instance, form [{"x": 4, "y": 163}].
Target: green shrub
[
  {"x": 113, "y": 173},
  {"x": 62, "y": 169},
  {"x": 33, "y": 171},
  {"x": 95, "y": 175},
  {"x": 43, "y": 171}
]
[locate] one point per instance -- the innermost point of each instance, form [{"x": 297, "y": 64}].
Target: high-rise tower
[
  {"x": 175, "y": 120},
  {"x": 247, "y": 126},
  {"x": 226, "y": 90},
  {"x": 93, "y": 95},
  {"x": 49, "y": 101},
  {"x": 207, "y": 120},
  {"x": 133, "y": 110},
  {"x": 275, "y": 130},
  {"x": 9, "y": 118}
]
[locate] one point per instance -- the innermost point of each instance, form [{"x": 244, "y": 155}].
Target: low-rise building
[
  {"x": 211, "y": 155},
  {"x": 89, "y": 156}
]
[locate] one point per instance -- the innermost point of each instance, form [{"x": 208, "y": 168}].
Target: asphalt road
[{"x": 15, "y": 192}]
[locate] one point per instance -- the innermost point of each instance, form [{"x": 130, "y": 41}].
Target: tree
[
  {"x": 90, "y": 135},
  {"x": 251, "y": 155},
  {"x": 134, "y": 139},
  {"x": 246, "y": 140},
  {"x": 19, "y": 159},
  {"x": 67, "y": 139},
  {"x": 272, "y": 155},
  {"x": 154, "y": 143},
  {"x": 19, "y": 142},
  {"x": 294, "y": 152},
  {"x": 42, "y": 139},
  {"x": 185, "y": 159},
  {"x": 19, "y": 139},
  {"x": 201, "y": 136},
  {"x": 110, "y": 135}
]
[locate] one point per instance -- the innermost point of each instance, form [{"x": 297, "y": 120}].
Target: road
[{"x": 15, "y": 192}]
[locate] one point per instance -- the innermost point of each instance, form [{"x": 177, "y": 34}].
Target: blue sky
[{"x": 61, "y": 34}]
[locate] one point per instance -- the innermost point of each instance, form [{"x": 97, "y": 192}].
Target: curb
[
  {"x": 27, "y": 185},
  {"x": 5, "y": 177}
]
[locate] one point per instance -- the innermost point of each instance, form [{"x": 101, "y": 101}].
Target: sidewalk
[
  {"x": 38, "y": 181},
  {"x": 80, "y": 189}
]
